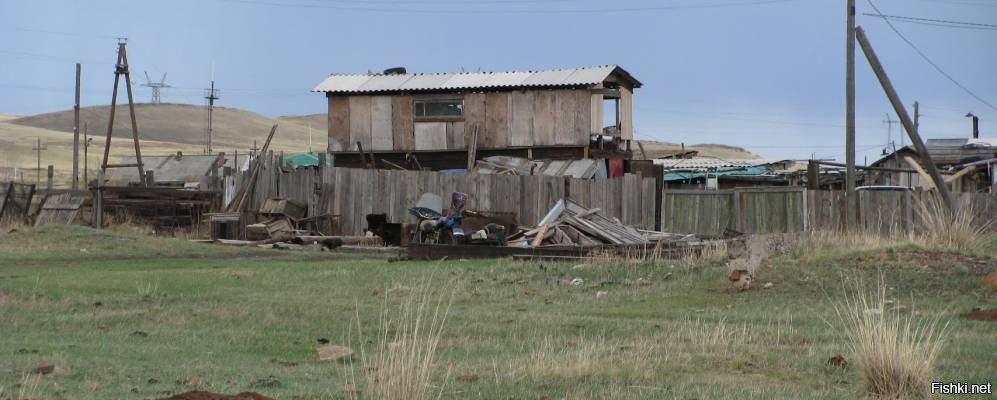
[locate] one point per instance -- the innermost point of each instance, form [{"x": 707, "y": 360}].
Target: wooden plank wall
[
  {"x": 626, "y": 113},
  {"x": 402, "y": 128},
  {"x": 359, "y": 122},
  {"x": 339, "y": 123},
  {"x": 517, "y": 119},
  {"x": 354, "y": 193},
  {"x": 544, "y": 110},
  {"x": 381, "y": 123}
]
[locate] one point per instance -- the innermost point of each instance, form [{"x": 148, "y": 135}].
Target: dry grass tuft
[
  {"x": 896, "y": 352},
  {"x": 959, "y": 229},
  {"x": 128, "y": 223},
  {"x": 402, "y": 361}
]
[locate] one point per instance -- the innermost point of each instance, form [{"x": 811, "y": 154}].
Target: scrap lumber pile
[
  {"x": 164, "y": 206},
  {"x": 570, "y": 224},
  {"x": 281, "y": 216}
]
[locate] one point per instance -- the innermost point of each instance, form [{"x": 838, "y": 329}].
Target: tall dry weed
[
  {"x": 895, "y": 351},
  {"x": 959, "y": 229},
  {"x": 401, "y": 362}
]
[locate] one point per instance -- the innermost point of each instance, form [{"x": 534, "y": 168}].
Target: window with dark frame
[{"x": 439, "y": 108}]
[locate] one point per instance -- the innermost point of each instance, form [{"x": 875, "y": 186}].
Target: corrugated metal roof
[
  {"x": 355, "y": 83},
  {"x": 704, "y": 163}
]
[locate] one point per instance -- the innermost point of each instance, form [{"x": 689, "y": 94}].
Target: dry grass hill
[
  {"x": 183, "y": 124},
  {"x": 168, "y": 128}
]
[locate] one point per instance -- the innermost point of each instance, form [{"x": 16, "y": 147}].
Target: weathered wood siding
[
  {"x": 496, "y": 133},
  {"x": 353, "y": 193},
  {"x": 339, "y": 123},
  {"x": 402, "y": 123},
  {"x": 521, "y": 119},
  {"x": 626, "y": 113},
  {"x": 380, "y": 123},
  {"x": 505, "y": 119},
  {"x": 544, "y": 111},
  {"x": 359, "y": 122}
]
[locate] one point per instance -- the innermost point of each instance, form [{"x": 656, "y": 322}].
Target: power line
[
  {"x": 61, "y": 33},
  {"x": 513, "y": 11},
  {"x": 964, "y": 3},
  {"x": 463, "y": 2},
  {"x": 935, "y": 22},
  {"x": 926, "y": 58},
  {"x": 729, "y": 117}
]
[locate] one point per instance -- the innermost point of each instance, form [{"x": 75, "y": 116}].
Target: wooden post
[
  {"x": 658, "y": 172},
  {"x": 905, "y": 119},
  {"x": 48, "y": 182},
  {"x": 472, "y": 149},
  {"x": 76, "y": 132},
  {"x": 97, "y": 205},
  {"x": 850, "y": 202},
  {"x": 813, "y": 175}
]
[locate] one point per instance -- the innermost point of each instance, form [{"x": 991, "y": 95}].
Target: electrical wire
[
  {"x": 928, "y": 59},
  {"x": 513, "y": 11},
  {"x": 935, "y": 22}
]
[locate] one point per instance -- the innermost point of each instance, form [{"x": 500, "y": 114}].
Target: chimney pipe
[{"x": 976, "y": 125}]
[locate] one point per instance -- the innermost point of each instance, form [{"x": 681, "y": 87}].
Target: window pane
[{"x": 439, "y": 108}]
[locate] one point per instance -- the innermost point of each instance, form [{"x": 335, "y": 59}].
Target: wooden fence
[
  {"x": 352, "y": 194},
  {"x": 712, "y": 212}
]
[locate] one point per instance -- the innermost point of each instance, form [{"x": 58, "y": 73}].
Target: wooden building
[
  {"x": 967, "y": 165},
  {"x": 556, "y": 114}
]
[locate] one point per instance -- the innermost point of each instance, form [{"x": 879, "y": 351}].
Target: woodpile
[{"x": 570, "y": 224}]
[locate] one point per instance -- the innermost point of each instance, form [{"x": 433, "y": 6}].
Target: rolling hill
[
  {"x": 183, "y": 124},
  {"x": 168, "y": 128}
]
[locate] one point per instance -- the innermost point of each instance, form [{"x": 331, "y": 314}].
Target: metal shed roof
[{"x": 356, "y": 83}]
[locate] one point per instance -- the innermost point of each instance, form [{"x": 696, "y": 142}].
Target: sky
[{"x": 766, "y": 75}]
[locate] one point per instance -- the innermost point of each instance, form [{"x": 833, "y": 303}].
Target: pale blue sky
[{"x": 767, "y": 76}]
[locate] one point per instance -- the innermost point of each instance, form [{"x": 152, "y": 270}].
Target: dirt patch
[
  {"x": 199, "y": 395},
  {"x": 982, "y": 315},
  {"x": 938, "y": 261}
]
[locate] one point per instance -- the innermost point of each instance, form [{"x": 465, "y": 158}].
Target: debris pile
[{"x": 570, "y": 224}]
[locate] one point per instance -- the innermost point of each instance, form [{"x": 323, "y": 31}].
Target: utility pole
[
  {"x": 905, "y": 119},
  {"x": 917, "y": 122},
  {"x": 211, "y": 94},
  {"x": 121, "y": 68},
  {"x": 850, "y": 198},
  {"x": 38, "y": 148},
  {"x": 76, "y": 131}
]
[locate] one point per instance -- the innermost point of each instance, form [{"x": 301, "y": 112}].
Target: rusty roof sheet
[{"x": 355, "y": 83}]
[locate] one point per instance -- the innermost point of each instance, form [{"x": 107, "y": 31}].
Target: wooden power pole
[
  {"x": 905, "y": 119},
  {"x": 121, "y": 68},
  {"x": 851, "y": 203},
  {"x": 76, "y": 132}
]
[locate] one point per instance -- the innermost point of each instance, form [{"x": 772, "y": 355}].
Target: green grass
[{"x": 666, "y": 330}]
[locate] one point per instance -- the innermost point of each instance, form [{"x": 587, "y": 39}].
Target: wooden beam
[
  {"x": 960, "y": 174},
  {"x": 925, "y": 178},
  {"x": 905, "y": 119},
  {"x": 607, "y": 93}
]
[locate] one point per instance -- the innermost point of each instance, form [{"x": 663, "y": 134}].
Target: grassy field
[{"x": 122, "y": 316}]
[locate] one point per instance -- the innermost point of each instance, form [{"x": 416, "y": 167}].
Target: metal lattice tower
[{"x": 155, "y": 86}]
